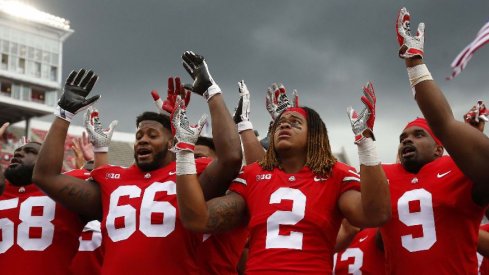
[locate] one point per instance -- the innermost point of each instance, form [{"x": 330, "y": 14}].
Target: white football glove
[
  {"x": 277, "y": 100},
  {"x": 242, "y": 113},
  {"x": 410, "y": 46},
  {"x": 98, "y": 136},
  {"x": 185, "y": 134}
]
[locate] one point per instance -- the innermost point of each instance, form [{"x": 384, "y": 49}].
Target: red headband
[
  {"x": 299, "y": 110},
  {"x": 422, "y": 123}
]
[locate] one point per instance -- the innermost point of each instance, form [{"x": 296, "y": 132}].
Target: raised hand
[
  {"x": 242, "y": 114},
  {"x": 185, "y": 134},
  {"x": 203, "y": 84},
  {"x": 86, "y": 147},
  {"x": 410, "y": 46},
  {"x": 175, "y": 88},
  {"x": 73, "y": 100},
  {"x": 277, "y": 100},
  {"x": 4, "y": 128},
  {"x": 364, "y": 122},
  {"x": 98, "y": 136},
  {"x": 477, "y": 116}
]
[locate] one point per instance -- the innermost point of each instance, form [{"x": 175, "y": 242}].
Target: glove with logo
[
  {"x": 175, "y": 88},
  {"x": 410, "y": 46},
  {"x": 98, "y": 136},
  {"x": 203, "y": 84},
  {"x": 477, "y": 116},
  {"x": 277, "y": 100},
  {"x": 242, "y": 113},
  {"x": 363, "y": 123},
  {"x": 73, "y": 100},
  {"x": 365, "y": 120},
  {"x": 476, "y": 113},
  {"x": 186, "y": 136}
]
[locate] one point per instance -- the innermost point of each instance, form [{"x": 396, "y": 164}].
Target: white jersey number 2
[
  {"x": 294, "y": 239},
  {"x": 39, "y": 224},
  {"x": 424, "y": 217}
]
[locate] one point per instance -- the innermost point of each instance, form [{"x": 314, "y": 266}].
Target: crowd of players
[{"x": 188, "y": 205}]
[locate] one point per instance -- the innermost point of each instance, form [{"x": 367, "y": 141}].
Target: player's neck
[{"x": 293, "y": 163}]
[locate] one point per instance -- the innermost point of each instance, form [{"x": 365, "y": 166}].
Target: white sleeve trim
[{"x": 240, "y": 180}]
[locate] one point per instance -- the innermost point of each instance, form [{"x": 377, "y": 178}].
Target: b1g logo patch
[
  {"x": 263, "y": 177},
  {"x": 112, "y": 176}
]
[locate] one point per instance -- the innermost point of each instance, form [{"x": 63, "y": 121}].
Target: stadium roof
[{"x": 29, "y": 13}]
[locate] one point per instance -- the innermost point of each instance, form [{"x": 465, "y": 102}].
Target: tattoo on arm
[
  {"x": 226, "y": 213},
  {"x": 74, "y": 191}
]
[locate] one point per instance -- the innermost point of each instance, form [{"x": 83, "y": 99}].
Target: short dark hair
[
  {"x": 161, "y": 118},
  {"x": 206, "y": 141}
]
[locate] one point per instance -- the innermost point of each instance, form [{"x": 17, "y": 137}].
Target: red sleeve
[
  {"x": 350, "y": 179},
  {"x": 201, "y": 164},
  {"x": 78, "y": 173},
  {"x": 98, "y": 173},
  {"x": 240, "y": 183},
  {"x": 484, "y": 227}
]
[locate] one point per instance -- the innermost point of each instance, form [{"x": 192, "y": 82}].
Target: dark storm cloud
[{"x": 325, "y": 49}]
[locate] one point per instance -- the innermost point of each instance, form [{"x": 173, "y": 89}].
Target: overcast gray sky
[{"x": 325, "y": 49}]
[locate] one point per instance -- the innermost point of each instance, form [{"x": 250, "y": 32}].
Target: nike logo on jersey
[
  {"x": 172, "y": 173},
  {"x": 443, "y": 174},
  {"x": 319, "y": 179},
  {"x": 363, "y": 239}
]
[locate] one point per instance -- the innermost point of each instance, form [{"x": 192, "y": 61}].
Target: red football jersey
[
  {"x": 90, "y": 254},
  {"x": 141, "y": 230},
  {"x": 294, "y": 218},
  {"x": 435, "y": 223},
  {"x": 36, "y": 234},
  {"x": 89, "y": 258},
  {"x": 220, "y": 253},
  {"x": 362, "y": 256}
]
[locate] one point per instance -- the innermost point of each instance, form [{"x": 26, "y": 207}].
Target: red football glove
[
  {"x": 366, "y": 119},
  {"x": 175, "y": 88},
  {"x": 410, "y": 46},
  {"x": 185, "y": 134},
  {"x": 277, "y": 100},
  {"x": 476, "y": 113}
]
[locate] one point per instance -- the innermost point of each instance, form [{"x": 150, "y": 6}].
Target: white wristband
[
  {"x": 63, "y": 114},
  {"x": 367, "y": 152},
  {"x": 212, "y": 91},
  {"x": 244, "y": 125},
  {"x": 418, "y": 74},
  {"x": 185, "y": 163},
  {"x": 104, "y": 149}
]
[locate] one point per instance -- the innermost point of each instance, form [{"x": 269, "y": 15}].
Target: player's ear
[
  {"x": 439, "y": 150},
  {"x": 170, "y": 143}
]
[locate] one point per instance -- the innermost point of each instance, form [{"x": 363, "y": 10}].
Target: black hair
[
  {"x": 161, "y": 118},
  {"x": 206, "y": 141}
]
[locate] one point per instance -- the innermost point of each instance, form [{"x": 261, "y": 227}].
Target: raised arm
[
  {"x": 77, "y": 195},
  {"x": 216, "y": 215},
  {"x": 217, "y": 177},
  {"x": 253, "y": 151},
  {"x": 468, "y": 147},
  {"x": 370, "y": 207}
]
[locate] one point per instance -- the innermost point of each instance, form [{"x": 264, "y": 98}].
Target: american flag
[{"x": 463, "y": 57}]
